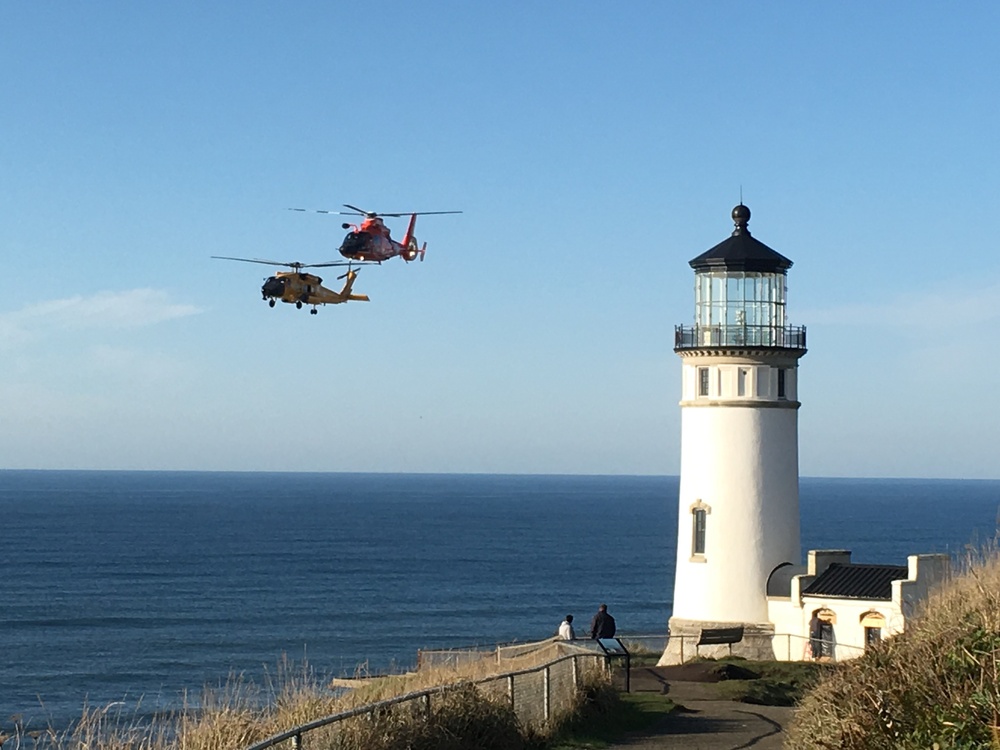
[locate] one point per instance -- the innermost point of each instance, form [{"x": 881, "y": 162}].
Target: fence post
[
  {"x": 576, "y": 674},
  {"x": 297, "y": 742},
  {"x": 547, "y": 693},
  {"x": 427, "y": 704},
  {"x": 510, "y": 691}
]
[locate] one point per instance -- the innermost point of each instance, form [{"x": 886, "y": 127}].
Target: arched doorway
[{"x": 822, "y": 639}]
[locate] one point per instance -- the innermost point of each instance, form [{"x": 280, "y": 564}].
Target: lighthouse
[{"x": 738, "y": 504}]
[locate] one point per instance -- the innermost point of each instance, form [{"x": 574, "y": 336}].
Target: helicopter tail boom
[
  {"x": 346, "y": 293},
  {"x": 409, "y": 242}
]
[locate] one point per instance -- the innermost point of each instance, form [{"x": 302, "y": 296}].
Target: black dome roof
[{"x": 741, "y": 252}]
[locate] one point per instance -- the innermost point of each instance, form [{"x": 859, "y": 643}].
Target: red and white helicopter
[{"x": 369, "y": 241}]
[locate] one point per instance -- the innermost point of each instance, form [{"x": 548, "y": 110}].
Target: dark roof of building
[
  {"x": 857, "y": 581},
  {"x": 741, "y": 252}
]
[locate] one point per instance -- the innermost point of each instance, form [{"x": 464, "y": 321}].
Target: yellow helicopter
[{"x": 298, "y": 288}]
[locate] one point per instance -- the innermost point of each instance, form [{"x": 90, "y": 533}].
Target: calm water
[{"x": 140, "y": 585}]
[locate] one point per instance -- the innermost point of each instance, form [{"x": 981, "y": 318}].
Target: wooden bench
[{"x": 720, "y": 637}]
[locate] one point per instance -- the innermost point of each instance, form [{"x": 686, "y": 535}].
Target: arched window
[
  {"x": 873, "y": 622},
  {"x": 699, "y": 528}
]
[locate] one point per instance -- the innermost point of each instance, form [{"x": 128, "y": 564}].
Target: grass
[
  {"x": 371, "y": 690},
  {"x": 612, "y": 719},
  {"x": 776, "y": 683}
]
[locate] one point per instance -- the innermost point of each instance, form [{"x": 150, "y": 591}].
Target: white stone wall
[
  {"x": 848, "y": 633},
  {"x": 925, "y": 573},
  {"x": 740, "y": 463}
]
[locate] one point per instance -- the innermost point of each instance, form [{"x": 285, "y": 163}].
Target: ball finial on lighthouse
[{"x": 741, "y": 217}]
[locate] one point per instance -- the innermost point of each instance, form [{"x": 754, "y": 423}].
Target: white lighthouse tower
[{"x": 738, "y": 510}]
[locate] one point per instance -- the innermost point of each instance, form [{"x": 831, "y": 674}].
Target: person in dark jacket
[
  {"x": 603, "y": 624},
  {"x": 815, "y": 636}
]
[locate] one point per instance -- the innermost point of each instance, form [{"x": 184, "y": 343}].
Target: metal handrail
[
  {"x": 777, "y": 337},
  {"x": 295, "y": 733},
  {"x": 849, "y": 650}
]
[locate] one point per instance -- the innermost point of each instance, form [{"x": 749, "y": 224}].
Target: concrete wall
[{"x": 741, "y": 465}]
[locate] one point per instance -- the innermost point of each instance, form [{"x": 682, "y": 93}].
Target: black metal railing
[{"x": 697, "y": 337}]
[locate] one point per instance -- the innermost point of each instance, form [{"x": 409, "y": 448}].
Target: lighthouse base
[{"x": 682, "y": 642}]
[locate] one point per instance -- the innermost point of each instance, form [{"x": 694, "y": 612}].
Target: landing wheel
[
  {"x": 270, "y": 303},
  {"x": 298, "y": 305},
  {"x": 313, "y": 311}
]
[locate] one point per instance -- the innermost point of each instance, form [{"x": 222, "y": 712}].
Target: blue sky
[{"x": 594, "y": 150}]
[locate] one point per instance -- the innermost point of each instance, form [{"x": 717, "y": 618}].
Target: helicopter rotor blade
[
  {"x": 349, "y": 272},
  {"x": 355, "y": 211},
  {"x": 359, "y": 210},
  {"x": 420, "y": 213},
  {"x": 332, "y": 263},
  {"x": 324, "y": 211},
  {"x": 259, "y": 260},
  {"x": 296, "y": 264}
]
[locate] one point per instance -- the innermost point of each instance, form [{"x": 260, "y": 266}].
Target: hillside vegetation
[
  {"x": 465, "y": 716},
  {"x": 935, "y": 686}
]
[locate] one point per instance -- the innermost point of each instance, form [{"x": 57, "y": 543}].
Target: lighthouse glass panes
[{"x": 737, "y": 308}]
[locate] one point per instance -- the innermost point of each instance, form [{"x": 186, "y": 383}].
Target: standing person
[
  {"x": 603, "y": 624},
  {"x": 566, "y": 631},
  {"x": 815, "y": 634}
]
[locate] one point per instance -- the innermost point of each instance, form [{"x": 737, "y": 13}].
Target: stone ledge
[{"x": 684, "y": 634}]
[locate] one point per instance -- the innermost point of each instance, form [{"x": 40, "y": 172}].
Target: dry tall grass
[
  {"x": 937, "y": 685},
  {"x": 242, "y": 713},
  {"x": 382, "y": 688}
]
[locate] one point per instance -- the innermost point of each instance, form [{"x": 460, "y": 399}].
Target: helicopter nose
[
  {"x": 353, "y": 244},
  {"x": 273, "y": 287}
]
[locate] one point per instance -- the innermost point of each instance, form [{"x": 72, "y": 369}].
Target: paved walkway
[{"x": 704, "y": 722}]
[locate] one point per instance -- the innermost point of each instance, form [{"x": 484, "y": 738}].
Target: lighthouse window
[
  {"x": 702, "y": 381},
  {"x": 781, "y": 384},
  {"x": 741, "y": 381},
  {"x": 699, "y": 517}
]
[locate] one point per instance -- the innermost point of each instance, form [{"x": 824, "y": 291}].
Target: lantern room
[{"x": 740, "y": 295}]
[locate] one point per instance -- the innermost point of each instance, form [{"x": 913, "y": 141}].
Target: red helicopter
[{"x": 370, "y": 241}]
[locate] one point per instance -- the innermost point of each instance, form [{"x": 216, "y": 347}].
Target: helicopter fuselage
[
  {"x": 297, "y": 288},
  {"x": 362, "y": 246},
  {"x": 370, "y": 241}
]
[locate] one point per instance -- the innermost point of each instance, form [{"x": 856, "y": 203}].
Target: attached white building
[
  {"x": 738, "y": 544},
  {"x": 834, "y": 609}
]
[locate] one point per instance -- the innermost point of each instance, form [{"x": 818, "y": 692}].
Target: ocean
[{"x": 141, "y": 586}]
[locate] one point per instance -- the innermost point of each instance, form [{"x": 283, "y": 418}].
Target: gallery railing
[{"x": 697, "y": 337}]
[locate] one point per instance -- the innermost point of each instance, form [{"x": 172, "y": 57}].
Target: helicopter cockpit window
[{"x": 274, "y": 287}]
